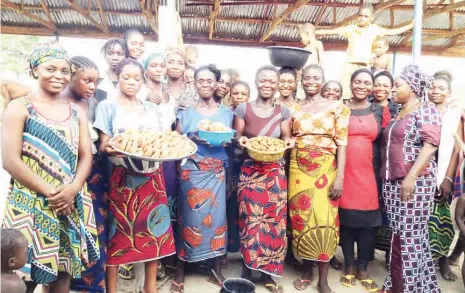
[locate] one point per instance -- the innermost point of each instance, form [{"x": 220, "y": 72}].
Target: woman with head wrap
[
  {"x": 183, "y": 95},
  {"x": 359, "y": 212},
  {"x": 441, "y": 229},
  {"x": 202, "y": 201},
  {"x": 409, "y": 170},
  {"x": 46, "y": 149}
]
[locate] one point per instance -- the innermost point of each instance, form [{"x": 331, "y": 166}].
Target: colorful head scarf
[
  {"x": 46, "y": 52},
  {"x": 174, "y": 50},
  {"x": 418, "y": 81},
  {"x": 146, "y": 62}
]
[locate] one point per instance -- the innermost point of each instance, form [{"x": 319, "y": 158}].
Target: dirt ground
[{"x": 199, "y": 284}]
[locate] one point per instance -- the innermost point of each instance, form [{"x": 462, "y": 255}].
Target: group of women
[{"x": 367, "y": 172}]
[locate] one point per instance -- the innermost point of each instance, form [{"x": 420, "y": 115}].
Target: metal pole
[
  {"x": 394, "y": 59},
  {"x": 417, "y": 27}
]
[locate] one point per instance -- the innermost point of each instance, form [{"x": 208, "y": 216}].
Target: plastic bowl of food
[
  {"x": 216, "y": 138},
  {"x": 283, "y": 56},
  {"x": 266, "y": 154}
]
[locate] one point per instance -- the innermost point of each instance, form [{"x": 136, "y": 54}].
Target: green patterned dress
[{"x": 56, "y": 243}]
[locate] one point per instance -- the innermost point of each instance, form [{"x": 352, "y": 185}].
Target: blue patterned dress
[{"x": 55, "y": 243}]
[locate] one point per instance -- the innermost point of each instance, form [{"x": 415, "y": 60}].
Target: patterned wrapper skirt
[
  {"x": 140, "y": 225},
  {"x": 441, "y": 230},
  {"x": 263, "y": 215},
  {"x": 412, "y": 268},
  {"x": 93, "y": 279},
  {"x": 202, "y": 229},
  {"x": 314, "y": 216}
]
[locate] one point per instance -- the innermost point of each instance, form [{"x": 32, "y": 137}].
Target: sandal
[
  {"x": 215, "y": 279},
  {"x": 367, "y": 284},
  {"x": 274, "y": 287},
  {"x": 177, "y": 288},
  {"x": 301, "y": 284},
  {"x": 348, "y": 281},
  {"x": 126, "y": 272}
]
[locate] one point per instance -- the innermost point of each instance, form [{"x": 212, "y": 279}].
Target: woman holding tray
[
  {"x": 202, "y": 228},
  {"x": 262, "y": 188},
  {"x": 141, "y": 228}
]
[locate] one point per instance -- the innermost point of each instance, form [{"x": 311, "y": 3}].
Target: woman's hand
[
  {"x": 185, "y": 104},
  {"x": 289, "y": 143},
  {"x": 407, "y": 189},
  {"x": 337, "y": 188},
  {"x": 110, "y": 151},
  {"x": 242, "y": 141},
  {"x": 154, "y": 98},
  {"x": 194, "y": 136},
  {"x": 445, "y": 190},
  {"x": 64, "y": 196}
]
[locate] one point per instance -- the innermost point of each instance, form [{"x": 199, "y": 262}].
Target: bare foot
[
  {"x": 324, "y": 288},
  {"x": 446, "y": 272}
]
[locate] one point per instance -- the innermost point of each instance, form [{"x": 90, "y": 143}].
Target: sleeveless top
[{"x": 55, "y": 243}]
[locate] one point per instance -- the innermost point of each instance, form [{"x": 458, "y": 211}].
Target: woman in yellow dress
[{"x": 316, "y": 177}]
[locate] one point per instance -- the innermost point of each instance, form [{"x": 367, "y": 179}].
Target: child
[
  {"x": 14, "y": 250},
  {"x": 315, "y": 47},
  {"x": 12, "y": 283},
  {"x": 240, "y": 93},
  {"x": 381, "y": 60},
  {"x": 360, "y": 37},
  {"x": 332, "y": 90},
  {"x": 189, "y": 76}
]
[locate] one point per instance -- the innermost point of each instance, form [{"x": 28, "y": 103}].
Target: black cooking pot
[
  {"x": 282, "y": 56},
  {"x": 238, "y": 285}
]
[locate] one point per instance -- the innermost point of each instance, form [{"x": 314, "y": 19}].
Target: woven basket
[{"x": 264, "y": 156}]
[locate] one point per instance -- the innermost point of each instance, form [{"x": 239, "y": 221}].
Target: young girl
[
  {"x": 46, "y": 149},
  {"x": 114, "y": 50},
  {"x": 135, "y": 44},
  {"x": 135, "y": 229},
  {"x": 240, "y": 93}
]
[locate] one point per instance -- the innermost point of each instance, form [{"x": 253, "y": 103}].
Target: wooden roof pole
[
  {"x": 102, "y": 14},
  {"x": 46, "y": 10},
  {"x": 86, "y": 14},
  {"x": 279, "y": 19},
  {"x": 17, "y": 8},
  {"x": 213, "y": 15},
  {"x": 446, "y": 34},
  {"x": 320, "y": 14},
  {"x": 434, "y": 12},
  {"x": 148, "y": 15}
]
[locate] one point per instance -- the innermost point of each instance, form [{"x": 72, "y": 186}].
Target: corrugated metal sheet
[
  {"x": 195, "y": 27},
  {"x": 118, "y": 5},
  {"x": 383, "y": 18},
  {"x": 402, "y": 16},
  {"x": 13, "y": 18},
  {"x": 357, "y": 1},
  {"x": 438, "y": 43},
  {"x": 121, "y": 23},
  {"x": 27, "y": 2},
  {"x": 459, "y": 21},
  {"x": 198, "y": 10},
  {"x": 306, "y": 13},
  {"x": 70, "y": 19},
  {"x": 285, "y": 33},
  {"x": 440, "y": 21},
  {"x": 245, "y": 11},
  {"x": 239, "y": 30}
]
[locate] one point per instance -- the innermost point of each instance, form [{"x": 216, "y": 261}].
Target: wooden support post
[
  {"x": 279, "y": 19},
  {"x": 213, "y": 15}
]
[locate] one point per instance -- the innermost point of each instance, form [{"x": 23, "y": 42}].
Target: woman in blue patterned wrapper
[
  {"x": 202, "y": 228},
  {"x": 409, "y": 171},
  {"x": 46, "y": 149}
]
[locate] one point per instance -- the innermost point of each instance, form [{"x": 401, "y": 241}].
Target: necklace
[{"x": 406, "y": 111}]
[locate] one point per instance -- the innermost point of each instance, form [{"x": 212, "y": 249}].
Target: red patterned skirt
[
  {"x": 140, "y": 226},
  {"x": 262, "y": 198}
]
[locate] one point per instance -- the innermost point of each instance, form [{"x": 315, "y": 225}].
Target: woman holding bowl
[
  {"x": 202, "y": 228},
  {"x": 262, "y": 189}
]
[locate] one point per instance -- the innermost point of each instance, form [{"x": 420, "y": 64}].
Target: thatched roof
[{"x": 236, "y": 22}]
